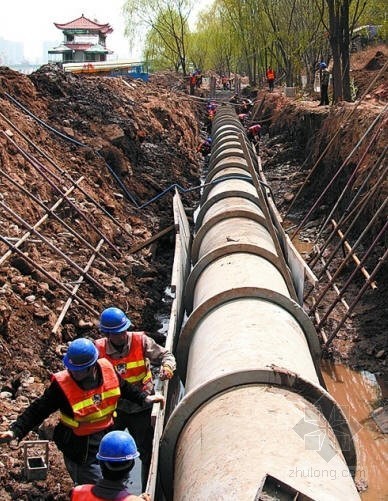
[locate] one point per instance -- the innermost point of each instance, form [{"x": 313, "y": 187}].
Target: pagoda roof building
[
  {"x": 83, "y": 23},
  {"x": 84, "y": 41}
]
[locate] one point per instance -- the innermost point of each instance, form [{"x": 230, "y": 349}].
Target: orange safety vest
[
  {"x": 92, "y": 409},
  {"x": 133, "y": 367},
  {"x": 270, "y": 75},
  {"x": 84, "y": 493}
]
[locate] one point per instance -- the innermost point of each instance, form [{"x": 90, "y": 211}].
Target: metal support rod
[
  {"x": 348, "y": 256},
  {"x": 357, "y": 210},
  {"x": 347, "y": 215},
  {"x": 353, "y": 216},
  {"x": 50, "y": 210},
  {"x": 333, "y": 179},
  {"x": 350, "y": 251},
  {"x": 73, "y": 141},
  {"x": 63, "y": 172},
  {"x": 351, "y": 178},
  {"x": 76, "y": 287},
  {"x": 317, "y": 320},
  {"x": 358, "y": 297},
  {"x": 342, "y": 240},
  {"x": 350, "y": 278},
  {"x": 357, "y": 242},
  {"x": 32, "y": 229},
  {"x": 43, "y": 218},
  {"x": 50, "y": 277},
  {"x": 334, "y": 286},
  {"x": 381, "y": 72},
  {"x": 40, "y": 168}
]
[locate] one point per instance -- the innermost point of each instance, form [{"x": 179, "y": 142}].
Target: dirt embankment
[
  {"x": 148, "y": 136},
  {"x": 303, "y": 136}
]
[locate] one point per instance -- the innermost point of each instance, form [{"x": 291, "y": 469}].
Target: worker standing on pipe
[
  {"x": 130, "y": 353},
  {"x": 86, "y": 393},
  {"x": 116, "y": 454}
]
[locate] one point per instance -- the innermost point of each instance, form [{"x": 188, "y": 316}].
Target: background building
[{"x": 84, "y": 41}]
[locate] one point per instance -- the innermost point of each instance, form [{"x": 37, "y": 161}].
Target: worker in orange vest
[
  {"x": 116, "y": 454},
  {"x": 271, "y": 75},
  {"x": 86, "y": 393},
  {"x": 129, "y": 352}
]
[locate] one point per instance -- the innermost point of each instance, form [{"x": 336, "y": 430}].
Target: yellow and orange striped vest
[
  {"x": 92, "y": 409},
  {"x": 133, "y": 367}
]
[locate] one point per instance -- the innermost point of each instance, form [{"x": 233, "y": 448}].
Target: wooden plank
[
  {"x": 347, "y": 246},
  {"x": 140, "y": 246},
  {"x": 180, "y": 270}
]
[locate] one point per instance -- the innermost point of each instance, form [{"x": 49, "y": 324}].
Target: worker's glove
[
  {"x": 154, "y": 399},
  {"x": 165, "y": 372},
  {"x": 6, "y": 436},
  {"x": 147, "y": 385}
]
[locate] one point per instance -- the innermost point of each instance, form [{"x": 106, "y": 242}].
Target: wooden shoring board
[
  {"x": 299, "y": 268},
  {"x": 180, "y": 270},
  {"x": 75, "y": 288}
]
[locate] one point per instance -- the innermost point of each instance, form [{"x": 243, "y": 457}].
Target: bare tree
[{"x": 167, "y": 19}]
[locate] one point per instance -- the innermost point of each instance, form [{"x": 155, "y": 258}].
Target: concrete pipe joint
[{"x": 255, "y": 415}]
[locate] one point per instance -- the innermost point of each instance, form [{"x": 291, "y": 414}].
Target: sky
[{"x": 31, "y": 22}]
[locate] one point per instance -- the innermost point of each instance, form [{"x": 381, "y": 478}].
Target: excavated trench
[
  {"x": 150, "y": 156},
  {"x": 361, "y": 343}
]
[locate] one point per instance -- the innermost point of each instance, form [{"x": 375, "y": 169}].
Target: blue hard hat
[
  {"x": 113, "y": 321},
  {"x": 80, "y": 355},
  {"x": 322, "y": 65},
  {"x": 117, "y": 447}
]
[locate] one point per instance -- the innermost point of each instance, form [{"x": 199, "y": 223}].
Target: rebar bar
[
  {"x": 351, "y": 178},
  {"x": 350, "y": 211},
  {"x": 75, "y": 288},
  {"x": 49, "y": 276},
  {"x": 352, "y": 275},
  {"x": 32, "y": 229},
  {"x": 381, "y": 72},
  {"x": 40, "y": 168},
  {"x": 333, "y": 179},
  {"x": 357, "y": 298},
  {"x": 356, "y": 243},
  {"x": 64, "y": 173},
  {"x": 50, "y": 210}
]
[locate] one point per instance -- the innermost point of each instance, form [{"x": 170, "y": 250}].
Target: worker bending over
[
  {"x": 86, "y": 393},
  {"x": 253, "y": 134},
  {"x": 129, "y": 352},
  {"x": 116, "y": 454}
]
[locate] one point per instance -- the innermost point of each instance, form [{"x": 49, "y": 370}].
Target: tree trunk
[
  {"x": 334, "y": 38},
  {"x": 344, "y": 47}
]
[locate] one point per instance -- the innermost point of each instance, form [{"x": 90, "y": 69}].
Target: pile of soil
[
  {"x": 298, "y": 133},
  {"x": 148, "y": 137}
]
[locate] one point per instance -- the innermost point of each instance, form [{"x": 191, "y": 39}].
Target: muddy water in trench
[{"x": 357, "y": 394}]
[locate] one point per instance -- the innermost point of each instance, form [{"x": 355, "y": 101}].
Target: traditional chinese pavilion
[{"x": 84, "y": 41}]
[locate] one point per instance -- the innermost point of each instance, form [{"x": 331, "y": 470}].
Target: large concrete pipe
[{"x": 255, "y": 417}]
